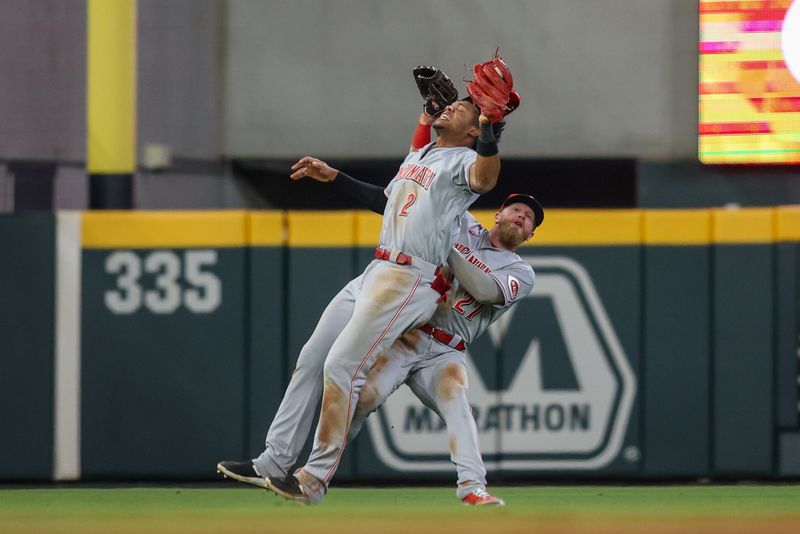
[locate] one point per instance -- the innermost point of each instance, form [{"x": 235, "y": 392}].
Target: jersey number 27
[{"x": 466, "y": 302}]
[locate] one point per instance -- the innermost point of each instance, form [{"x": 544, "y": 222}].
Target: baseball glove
[
  {"x": 436, "y": 89},
  {"x": 492, "y": 88}
]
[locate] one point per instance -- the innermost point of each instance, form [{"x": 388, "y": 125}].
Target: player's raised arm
[
  {"x": 438, "y": 92},
  {"x": 492, "y": 92},
  {"x": 369, "y": 196},
  {"x": 480, "y": 285},
  {"x": 422, "y": 133},
  {"x": 484, "y": 173}
]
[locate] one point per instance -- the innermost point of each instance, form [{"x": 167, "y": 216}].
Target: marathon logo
[
  {"x": 532, "y": 421},
  {"x": 417, "y": 173},
  {"x": 509, "y": 418}
]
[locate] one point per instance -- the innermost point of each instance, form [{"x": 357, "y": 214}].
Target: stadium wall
[
  {"x": 150, "y": 345},
  {"x": 599, "y": 79}
]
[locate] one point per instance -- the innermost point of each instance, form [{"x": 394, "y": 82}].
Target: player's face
[
  {"x": 516, "y": 224},
  {"x": 459, "y": 116}
]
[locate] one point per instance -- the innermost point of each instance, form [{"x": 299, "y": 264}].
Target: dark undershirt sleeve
[{"x": 370, "y": 196}]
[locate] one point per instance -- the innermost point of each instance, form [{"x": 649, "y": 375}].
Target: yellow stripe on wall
[
  {"x": 266, "y": 228},
  {"x": 153, "y": 229},
  {"x": 677, "y": 227},
  {"x": 161, "y": 229},
  {"x": 589, "y": 227},
  {"x": 111, "y": 86},
  {"x": 321, "y": 228},
  {"x": 368, "y": 228},
  {"x": 743, "y": 225},
  {"x": 787, "y": 223},
  {"x": 581, "y": 227}
]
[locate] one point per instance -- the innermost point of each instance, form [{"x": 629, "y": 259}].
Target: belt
[
  {"x": 386, "y": 254},
  {"x": 443, "y": 336}
]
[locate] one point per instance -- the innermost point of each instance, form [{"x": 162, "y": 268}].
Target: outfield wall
[{"x": 150, "y": 345}]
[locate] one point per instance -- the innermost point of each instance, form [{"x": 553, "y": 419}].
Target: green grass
[{"x": 752, "y": 508}]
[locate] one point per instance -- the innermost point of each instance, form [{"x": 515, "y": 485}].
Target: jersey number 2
[{"x": 410, "y": 202}]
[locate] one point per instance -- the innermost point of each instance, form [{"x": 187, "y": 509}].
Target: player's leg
[
  {"x": 392, "y": 300},
  {"x": 291, "y": 425},
  {"x": 389, "y": 372},
  {"x": 441, "y": 383}
]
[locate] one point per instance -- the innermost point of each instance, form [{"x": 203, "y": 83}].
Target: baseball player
[
  {"x": 489, "y": 278},
  {"x": 396, "y": 292}
]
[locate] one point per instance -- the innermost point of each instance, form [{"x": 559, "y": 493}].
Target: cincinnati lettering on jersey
[
  {"x": 418, "y": 173},
  {"x": 466, "y": 251}
]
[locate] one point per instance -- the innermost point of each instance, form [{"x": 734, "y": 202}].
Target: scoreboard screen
[{"x": 749, "y": 93}]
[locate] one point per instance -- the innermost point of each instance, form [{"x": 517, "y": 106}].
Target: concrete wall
[
  {"x": 42, "y": 86},
  {"x": 597, "y": 78},
  {"x": 42, "y": 89},
  {"x": 180, "y": 46}
]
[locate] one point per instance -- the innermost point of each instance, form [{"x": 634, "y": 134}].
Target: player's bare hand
[
  {"x": 313, "y": 168},
  {"x": 483, "y": 119},
  {"x": 426, "y": 119}
]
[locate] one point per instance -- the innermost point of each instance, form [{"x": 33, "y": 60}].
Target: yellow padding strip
[
  {"x": 368, "y": 228},
  {"x": 266, "y": 228},
  {"x": 321, "y": 228},
  {"x": 787, "y": 223},
  {"x": 561, "y": 227},
  {"x": 589, "y": 227},
  {"x": 153, "y": 229},
  {"x": 161, "y": 229},
  {"x": 677, "y": 227},
  {"x": 743, "y": 225},
  {"x": 111, "y": 86}
]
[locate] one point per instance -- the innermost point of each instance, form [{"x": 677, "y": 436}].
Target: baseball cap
[{"x": 537, "y": 208}]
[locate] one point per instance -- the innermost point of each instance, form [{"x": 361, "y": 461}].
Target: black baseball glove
[{"x": 436, "y": 89}]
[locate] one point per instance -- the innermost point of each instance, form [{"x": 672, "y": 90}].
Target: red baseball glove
[{"x": 492, "y": 88}]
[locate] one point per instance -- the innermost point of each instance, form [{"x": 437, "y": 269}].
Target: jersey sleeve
[
  {"x": 471, "y": 225},
  {"x": 388, "y": 190},
  {"x": 463, "y": 164},
  {"x": 515, "y": 281}
]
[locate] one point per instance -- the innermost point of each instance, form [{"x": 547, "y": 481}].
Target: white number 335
[{"x": 203, "y": 296}]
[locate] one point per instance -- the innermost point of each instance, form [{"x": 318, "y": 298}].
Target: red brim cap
[{"x": 529, "y": 201}]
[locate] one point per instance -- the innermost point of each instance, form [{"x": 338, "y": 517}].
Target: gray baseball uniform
[
  {"x": 425, "y": 200},
  {"x": 436, "y": 372},
  {"x": 421, "y": 364}
]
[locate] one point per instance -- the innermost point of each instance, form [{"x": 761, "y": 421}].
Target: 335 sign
[{"x": 179, "y": 278}]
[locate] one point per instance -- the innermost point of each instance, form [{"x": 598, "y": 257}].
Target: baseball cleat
[
  {"x": 241, "y": 471},
  {"x": 289, "y": 488},
  {"x": 480, "y": 497}
]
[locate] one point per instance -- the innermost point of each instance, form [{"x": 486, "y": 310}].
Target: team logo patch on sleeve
[{"x": 513, "y": 287}]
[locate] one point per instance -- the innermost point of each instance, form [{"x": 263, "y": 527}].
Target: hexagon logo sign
[{"x": 525, "y": 425}]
